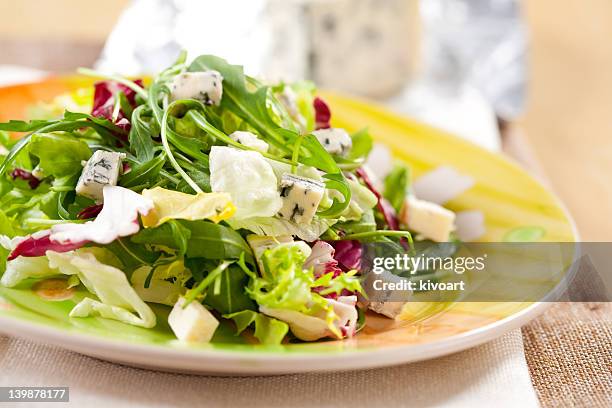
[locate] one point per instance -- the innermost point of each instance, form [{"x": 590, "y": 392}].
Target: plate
[{"x": 510, "y": 199}]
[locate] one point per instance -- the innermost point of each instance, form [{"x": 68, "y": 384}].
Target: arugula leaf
[
  {"x": 71, "y": 122},
  {"x": 251, "y": 107},
  {"x": 397, "y": 184},
  {"x": 141, "y": 137},
  {"x": 23, "y": 126},
  {"x": 200, "y": 177},
  {"x": 365, "y": 224},
  {"x": 104, "y": 127},
  {"x": 336, "y": 182},
  {"x": 267, "y": 329},
  {"x": 143, "y": 175},
  {"x": 191, "y": 146},
  {"x": 206, "y": 240},
  {"x": 196, "y": 291},
  {"x": 231, "y": 296},
  {"x": 59, "y": 154},
  {"x": 132, "y": 255}
]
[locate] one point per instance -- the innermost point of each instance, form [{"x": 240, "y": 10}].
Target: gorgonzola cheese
[
  {"x": 250, "y": 140},
  {"x": 334, "y": 140},
  {"x": 206, "y": 87},
  {"x": 301, "y": 197},
  {"x": 102, "y": 169}
]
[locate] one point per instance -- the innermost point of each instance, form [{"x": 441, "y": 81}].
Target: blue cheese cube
[
  {"x": 193, "y": 323},
  {"x": 206, "y": 87},
  {"x": 334, "y": 140},
  {"x": 250, "y": 140},
  {"x": 301, "y": 197},
  {"x": 102, "y": 169}
]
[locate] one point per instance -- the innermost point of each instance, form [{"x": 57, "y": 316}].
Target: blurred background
[{"x": 532, "y": 78}]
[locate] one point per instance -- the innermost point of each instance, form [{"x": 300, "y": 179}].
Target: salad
[{"x": 209, "y": 191}]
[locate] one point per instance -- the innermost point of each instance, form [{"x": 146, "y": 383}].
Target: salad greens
[{"x": 142, "y": 197}]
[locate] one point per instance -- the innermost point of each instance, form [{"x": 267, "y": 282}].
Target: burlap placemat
[{"x": 569, "y": 354}]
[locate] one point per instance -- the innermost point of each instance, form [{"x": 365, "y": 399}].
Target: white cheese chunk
[
  {"x": 206, "y": 87},
  {"x": 250, "y": 140},
  {"x": 334, "y": 140},
  {"x": 193, "y": 323},
  {"x": 428, "y": 219},
  {"x": 301, "y": 197},
  {"x": 102, "y": 169},
  {"x": 389, "y": 309}
]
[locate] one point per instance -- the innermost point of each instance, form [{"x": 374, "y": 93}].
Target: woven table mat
[
  {"x": 569, "y": 348},
  {"x": 569, "y": 355}
]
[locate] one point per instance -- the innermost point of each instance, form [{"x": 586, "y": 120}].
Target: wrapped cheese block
[{"x": 358, "y": 46}]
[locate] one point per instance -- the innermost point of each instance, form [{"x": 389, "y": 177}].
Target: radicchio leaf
[
  {"x": 348, "y": 254},
  {"x": 89, "y": 212},
  {"x": 33, "y": 182},
  {"x": 383, "y": 205},
  {"x": 322, "y": 114},
  {"x": 104, "y": 102},
  {"x": 323, "y": 262},
  {"x": 38, "y": 245},
  {"x": 118, "y": 218}
]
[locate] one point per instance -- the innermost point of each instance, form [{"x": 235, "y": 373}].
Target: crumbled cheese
[
  {"x": 301, "y": 197},
  {"x": 102, "y": 169},
  {"x": 193, "y": 323},
  {"x": 334, "y": 140},
  {"x": 206, "y": 87},
  {"x": 428, "y": 219},
  {"x": 250, "y": 140}
]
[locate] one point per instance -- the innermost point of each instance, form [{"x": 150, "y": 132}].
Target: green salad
[{"x": 210, "y": 192}]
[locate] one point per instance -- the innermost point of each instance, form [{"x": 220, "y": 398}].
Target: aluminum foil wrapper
[
  {"x": 366, "y": 47},
  {"x": 361, "y": 46}
]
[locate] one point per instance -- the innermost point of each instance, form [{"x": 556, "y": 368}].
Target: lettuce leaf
[
  {"x": 267, "y": 329},
  {"x": 171, "y": 204},
  {"x": 23, "y": 268},
  {"x": 248, "y": 178},
  {"x": 59, "y": 154},
  {"x": 362, "y": 199},
  {"x": 272, "y": 226},
  {"x": 117, "y": 298}
]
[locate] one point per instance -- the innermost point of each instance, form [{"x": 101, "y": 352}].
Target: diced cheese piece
[
  {"x": 301, "y": 197},
  {"x": 389, "y": 309},
  {"x": 102, "y": 169},
  {"x": 334, "y": 140},
  {"x": 193, "y": 323},
  {"x": 250, "y": 140},
  {"x": 428, "y": 219},
  {"x": 260, "y": 243},
  {"x": 206, "y": 87}
]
